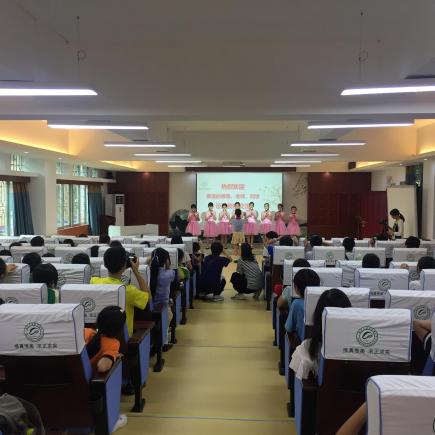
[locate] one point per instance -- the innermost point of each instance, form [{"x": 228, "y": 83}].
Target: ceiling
[{"x": 226, "y": 81}]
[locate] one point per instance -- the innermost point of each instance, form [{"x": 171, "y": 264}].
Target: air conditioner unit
[{"x": 115, "y": 206}]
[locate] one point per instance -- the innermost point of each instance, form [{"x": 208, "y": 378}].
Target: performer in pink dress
[
  {"x": 266, "y": 220},
  {"x": 224, "y": 226},
  {"x": 210, "y": 228},
  {"x": 251, "y": 224},
  {"x": 293, "y": 228},
  {"x": 193, "y": 218},
  {"x": 279, "y": 220}
]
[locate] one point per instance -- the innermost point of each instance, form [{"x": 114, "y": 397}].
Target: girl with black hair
[
  {"x": 210, "y": 228},
  {"x": 161, "y": 276},
  {"x": 193, "y": 218},
  {"x": 398, "y": 227},
  {"x": 306, "y": 357}
]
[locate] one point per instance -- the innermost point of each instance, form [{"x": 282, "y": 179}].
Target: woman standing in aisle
[
  {"x": 279, "y": 221},
  {"x": 193, "y": 218},
  {"x": 251, "y": 224},
  {"x": 398, "y": 229}
]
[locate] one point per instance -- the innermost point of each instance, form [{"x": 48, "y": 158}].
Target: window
[
  {"x": 80, "y": 171},
  {"x": 6, "y": 209},
  {"x": 59, "y": 168},
  {"x": 94, "y": 172},
  {"x": 72, "y": 204},
  {"x": 17, "y": 163}
]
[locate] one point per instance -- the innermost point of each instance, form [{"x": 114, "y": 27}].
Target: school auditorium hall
[{"x": 217, "y": 217}]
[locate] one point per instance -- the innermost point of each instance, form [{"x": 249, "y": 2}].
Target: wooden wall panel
[{"x": 146, "y": 197}]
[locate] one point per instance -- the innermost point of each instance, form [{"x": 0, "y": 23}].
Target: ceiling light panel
[
  {"x": 97, "y": 126},
  {"x": 382, "y": 90},
  {"x": 138, "y": 144},
  {"x": 328, "y": 144}
]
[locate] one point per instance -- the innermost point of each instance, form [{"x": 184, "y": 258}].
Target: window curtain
[
  {"x": 95, "y": 208},
  {"x": 23, "y": 223}
]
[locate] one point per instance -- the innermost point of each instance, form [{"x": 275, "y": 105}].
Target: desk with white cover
[
  {"x": 400, "y": 405},
  {"x": 331, "y": 254},
  {"x": 288, "y": 269},
  {"x": 20, "y": 275},
  {"x": 41, "y": 330},
  {"x": 364, "y": 334},
  {"x": 18, "y": 252},
  {"x": 67, "y": 252},
  {"x": 330, "y": 277},
  {"x": 358, "y": 297},
  {"x": 359, "y": 252},
  {"x": 381, "y": 280},
  {"x": 421, "y": 303},
  {"x": 427, "y": 279},
  {"x": 408, "y": 254},
  {"x": 24, "y": 293},
  {"x": 349, "y": 267},
  {"x": 281, "y": 253},
  {"x": 93, "y": 297},
  {"x": 389, "y": 245},
  {"x": 72, "y": 274}
]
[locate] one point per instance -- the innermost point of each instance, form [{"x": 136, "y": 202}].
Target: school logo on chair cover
[
  {"x": 61, "y": 280},
  {"x": 329, "y": 256},
  {"x": 410, "y": 257},
  {"x": 68, "y": 257},
  {"x": 384, "y": 284},
  {"x": 367, "y": 336},
  {"x": 34, "y": 332},
  {"x": 11, "y": 300},
  {"x": 88, "y": 304},
  {"x": 289, "y": 256},
  {"x": 422, "y": 312},
  {"x": 414, "y": 276}
]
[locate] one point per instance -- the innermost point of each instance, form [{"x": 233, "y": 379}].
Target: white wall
[
  {"x": 428, "y": 224},
  {"x": 182, "y": 191},
  {"x": 381, "y": 178}
]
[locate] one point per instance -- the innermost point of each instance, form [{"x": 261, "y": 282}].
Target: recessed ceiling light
[
  {"x": 289, "y": 166},
  {"x": 178, "y": 161},
  {"x": 424, "y": 159},
  {"x": 311, "y": 155},
  {"x": 160, "y": 154},
  {"x": 186, "y": 166},
  {"x": 138, "y": 144},
  {"x": 328, "y": 143},
  {"x": 59, "y": 158},
  {"x": 283, "y": 162},
  {"x": 400, "y": 164},
  {"x": 388, "y": 90},
  {"x": 96, "y": 126},
  {"x": 45, "y": 92},
  {"x": 26, "y": 152},
  {"x": 357, "y": 124}
]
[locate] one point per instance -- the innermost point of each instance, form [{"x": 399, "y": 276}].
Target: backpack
[{"x": 19, "y": 417}]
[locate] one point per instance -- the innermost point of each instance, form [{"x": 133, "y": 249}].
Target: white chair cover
[
  {"x": 362, "y": 243},
  {"x": 21, "y": 275},
  {"x": 400, "y": 405},
  {"x": 145, "y": 273},
  {"x": 51, "y": 248},
  {"x": 96, "y": 263},
  {"x": 68, "y": 252},
  {"x": 72, "y": 274},
  {"x": 288, "y": 269},
  {"x": 329, "y": 277},
  {"x": 381, "y": 280},
  {"x": 18, "y": 252},
  {"x": 349, "y": 267},
  {"x": 125, "y": 278},
  {"x": 137, "y": 250},
  {"x": 359, "y": 252},
  {"x": 330, "y": 254},
  {"x": 429, "y": 245},
  {"x": 408, "y": 254},
  {"x": 427, "y": 279},
  {"x": 52, "y": 259},
  {"x": 6, "y": 259},
  {"x": 337, "y": 241},
  {"x": 281, "y": 253},
  {"x": 93, "y": 297},
  {"x": 389, "y": 245},
  {"x": 412, "y": 268},
  {"x": 365, "y": 334},
  {"x": 420, "y": 303},
  {"x": 359, "y": 298},
  {"x": 41, "y": 330},
  {"x": 173, "y": 254},
  {"x": 24, "y": 293}
]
